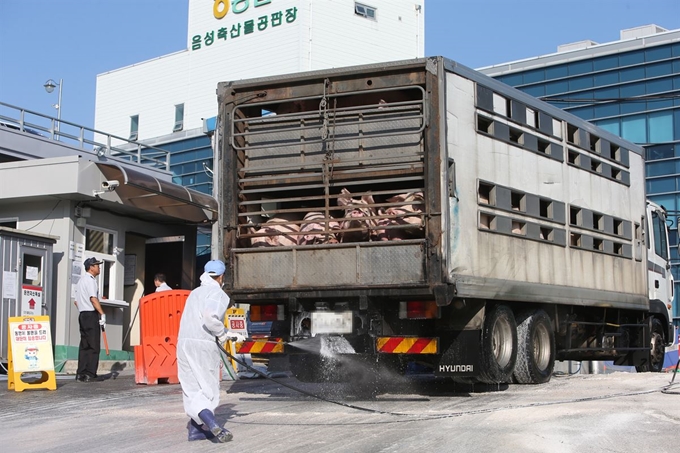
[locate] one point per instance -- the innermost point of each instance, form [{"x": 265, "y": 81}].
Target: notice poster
[
  {"x": 31, "y": 343},
  {"x": 31, "y": 300}
]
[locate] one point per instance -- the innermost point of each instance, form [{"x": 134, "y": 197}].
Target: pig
[
  {"x": 314, "y": 227},
  {"x": 280, "y": 232},
  {"x": 358, "y": 216},
  {"x": 406, "y": 214}
]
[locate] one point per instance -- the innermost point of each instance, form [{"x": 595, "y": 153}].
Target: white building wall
[
  {"x": 339, "y": 37},
  {"x": 323, "y": 34}
]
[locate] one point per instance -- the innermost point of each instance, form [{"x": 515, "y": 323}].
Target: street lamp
[{"x": 50, "y": 85}]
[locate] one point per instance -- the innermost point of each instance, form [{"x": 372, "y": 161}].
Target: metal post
[{"x": 61, "y": 84}]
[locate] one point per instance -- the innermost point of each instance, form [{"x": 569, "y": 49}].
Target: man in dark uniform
[{"x": 91, "y": 319}]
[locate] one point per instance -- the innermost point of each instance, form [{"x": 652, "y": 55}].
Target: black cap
[{"x": 91, "y": 262}]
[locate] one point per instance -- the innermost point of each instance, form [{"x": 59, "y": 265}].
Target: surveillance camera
[{"x": 111, "y": 185}]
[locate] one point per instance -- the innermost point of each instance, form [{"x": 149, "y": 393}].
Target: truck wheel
[
  {"x": 535, "y": 348},
  {"x": 499, "y": 346},
  {"x": 657, "y": 350}
]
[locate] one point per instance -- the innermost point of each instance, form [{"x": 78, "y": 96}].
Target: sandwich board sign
[{"x": 30, "y": 351}]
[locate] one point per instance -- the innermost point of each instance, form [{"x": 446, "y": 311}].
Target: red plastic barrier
[{"x": 156, "y": 356}]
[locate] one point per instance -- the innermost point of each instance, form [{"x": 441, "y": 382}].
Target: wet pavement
[{"x": 621, "y": 412}]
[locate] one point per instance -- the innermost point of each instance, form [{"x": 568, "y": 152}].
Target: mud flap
[{"x": 462, "y": 357}]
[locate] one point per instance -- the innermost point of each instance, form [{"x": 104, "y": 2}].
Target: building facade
[
  {"x": 126, "y": 212},
  {"x": 629, "y": 87},
  {"x": 251, "y": 38}
]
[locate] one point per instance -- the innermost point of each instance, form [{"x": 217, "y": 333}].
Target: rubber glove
[
  {"x": 235, "y": 336},
  {"x": 102, "y": 320}
]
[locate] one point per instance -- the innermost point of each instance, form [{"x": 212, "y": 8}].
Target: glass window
[
  {"x": 134, "y": 127},
  {"x": 100, "y": 244},
  {"x": 660, "y": 168},
  {"x": 659, "y": 69},
  {"x": 633, "y": 106},
  {"x": 612, "y": 125},
  {"x": 667, "y": 201},
  {"x": 627, "y": 75},
  {"x": 607, "y": 93},
  {"x": 659, "y": 85},
  {"x": 556, "y": 87},
  {"x": 660, "y": 244},
  {"x": 511, "y": 79},
  {"x": 9, "y": 223},
  {"x": 609, "y": 62},
  {"x": 659, "y": 104},
  {"x": 582, "y": 112},
  {"x": 630, "y": 58},
  {"x": 661, "y": 127},
  {"x": 580, "y": 83},
  {"x": 676, "y": 126},
  {"x": 676, "y": 82},
  {"x": 537, "y": 75},
  {"x": 608, "y": 109},
  {"x": 99, "y": 241},
  {"x": 179, "y": 118},
  {"x": 580, "y": 67},
  {"x": 535, "y": 91},
  {"x": 32, "y": 267},
  {"x": 658, "y": 53},
  {"x": 634, "y": 128},
  {"x": 556, "y": 72},
  {"x": 662, "y": 185},
  {"x": 676, "y": 66},
  {"x": 606, "y": 78},
  {"x": 656, "y": 152},
  {"x": 365, "y": 11},
  {"x": 676, "y": 49}
]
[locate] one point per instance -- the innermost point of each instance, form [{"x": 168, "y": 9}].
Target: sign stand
[
  {"x": 30, "y": 351},
  {"x": 235, "y": 320}
]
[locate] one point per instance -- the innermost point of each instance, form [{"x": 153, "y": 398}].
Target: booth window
[{"x": 101, "y": 244}]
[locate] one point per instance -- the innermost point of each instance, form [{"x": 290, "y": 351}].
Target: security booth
[{"x": 26, "y": 278}]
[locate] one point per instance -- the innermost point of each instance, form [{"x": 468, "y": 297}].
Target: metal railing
[{"x": 82, "y": 137}]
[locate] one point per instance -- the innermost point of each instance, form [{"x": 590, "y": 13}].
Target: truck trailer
[{"x": 426, "y": 213}]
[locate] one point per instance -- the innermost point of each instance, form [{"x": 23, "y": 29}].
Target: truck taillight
[
  {"x": 271, "y": 312},
  {"x": 418, "y": 309}
]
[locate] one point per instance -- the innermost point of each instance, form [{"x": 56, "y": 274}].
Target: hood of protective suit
[{"x": 204, "y": 310}]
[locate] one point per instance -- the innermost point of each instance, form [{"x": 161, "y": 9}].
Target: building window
[
  {"x": 134, "y": 127},
  {"x": 365, "y": 11},
  {"x": 9, "y": 223},
  {"x": 179, "y": 118},
  {"x": 101, "y": 244}
]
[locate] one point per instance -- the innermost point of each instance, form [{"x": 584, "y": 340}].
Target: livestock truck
[{"x": 427, "y": 213}]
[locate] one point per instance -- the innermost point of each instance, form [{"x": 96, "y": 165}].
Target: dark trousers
[{"x": 90, "y": 337}]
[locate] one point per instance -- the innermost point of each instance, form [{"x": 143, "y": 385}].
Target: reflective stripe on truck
[
  {"x": 264, "y": 346},
  {"x": 407, "y": 345}
]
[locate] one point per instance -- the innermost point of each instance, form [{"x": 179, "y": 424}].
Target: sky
[{"x": 74, "y": 40}]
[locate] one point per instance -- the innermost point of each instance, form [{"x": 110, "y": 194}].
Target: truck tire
[
  {"x": 499, "y": 346},
  {"x": 657, "y": 350},
  {"x": 535, "y": 348}
]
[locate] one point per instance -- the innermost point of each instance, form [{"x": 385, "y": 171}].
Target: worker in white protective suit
[{"x": 198, "y": 357}]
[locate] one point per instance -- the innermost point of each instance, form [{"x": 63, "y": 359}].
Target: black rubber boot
[
  {"x": 222, "y": 434},
  {"x": 196, "y": 431}
]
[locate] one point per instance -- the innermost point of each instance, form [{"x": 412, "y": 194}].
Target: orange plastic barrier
[{"x": 156, "y": 356}]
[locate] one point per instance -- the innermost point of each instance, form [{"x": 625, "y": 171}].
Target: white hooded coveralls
[{"x": 198, "y": 358}]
